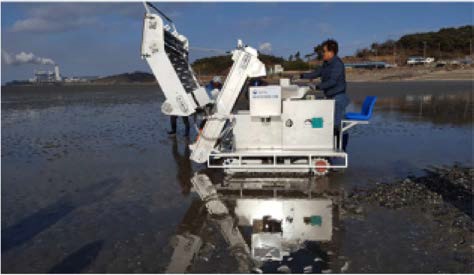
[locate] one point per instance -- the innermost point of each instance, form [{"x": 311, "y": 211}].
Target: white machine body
[
  {"x": 283, "y": 130},
  {"x": 276, "y": 125}
]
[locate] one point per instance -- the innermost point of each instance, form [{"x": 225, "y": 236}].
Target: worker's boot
[{"x": 171, "y": 133}]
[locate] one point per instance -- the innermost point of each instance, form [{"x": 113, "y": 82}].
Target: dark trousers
[
  {"x": 341, "y": 102},
  {"x": 173, "y": 120}
]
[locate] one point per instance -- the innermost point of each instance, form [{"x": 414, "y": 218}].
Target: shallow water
[{"x": 91, "y": 182}]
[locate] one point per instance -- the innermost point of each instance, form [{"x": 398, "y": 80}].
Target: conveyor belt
[{"x": 178, "y": 56}]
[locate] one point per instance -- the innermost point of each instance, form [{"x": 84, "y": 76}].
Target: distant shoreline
[
  {"x": 403, "y": 74},
  {"x": 352, "y": 75},
  {"x": 271, "y": 83}
]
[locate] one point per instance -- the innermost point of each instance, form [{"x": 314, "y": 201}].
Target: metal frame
[
  {"x": 275, "y": 154},
  {"x": 271, "y": 184},
  {"x": 349, "y": 124}
]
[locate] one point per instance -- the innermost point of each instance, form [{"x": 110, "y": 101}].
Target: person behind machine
[
  {"x": 257, "y": 81},
  {"x": 333, "y": 83},
  {"x": 212, "y": 88},
  {"x": 173, "y": 121}
]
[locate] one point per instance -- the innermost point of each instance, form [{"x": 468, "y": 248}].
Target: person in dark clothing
[
  {"x": 173, "y": 120},
  {"x": 258, "y": 81},
  {"x": 333, "y": 84},
  {"x": 212, "y": 88}
]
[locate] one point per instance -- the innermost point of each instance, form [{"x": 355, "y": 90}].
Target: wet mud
[{"x": 92, "y": 183}]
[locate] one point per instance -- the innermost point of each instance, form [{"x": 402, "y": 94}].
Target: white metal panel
[
  {"x": 298, "y": 132},
  {"x": 293, "y": 91},
  {"x": 265, "y": 101},
  {"x": 201, "y": 96},
  {"x": 252, "y": 133}
]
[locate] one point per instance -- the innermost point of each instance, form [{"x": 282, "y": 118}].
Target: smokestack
[{"x": 56, "y": 73}]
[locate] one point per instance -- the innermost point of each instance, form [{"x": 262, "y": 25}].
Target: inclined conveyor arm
[
  {"x": 246, "y": 64},
  {"x": 166, "y": 52}
]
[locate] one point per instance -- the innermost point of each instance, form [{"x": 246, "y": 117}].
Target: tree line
[
  {"x": 445, "y": 43},
  {"x": 218, "y": 65}
]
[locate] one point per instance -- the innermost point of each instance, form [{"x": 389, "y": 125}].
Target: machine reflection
[{"x": 268, "y": 224}]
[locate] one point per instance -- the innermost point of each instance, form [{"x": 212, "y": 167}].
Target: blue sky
[{"x": 104, "y": 38}]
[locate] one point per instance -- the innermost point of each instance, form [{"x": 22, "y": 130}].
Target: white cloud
[
  {"x": 25, "y": 58},
  {"x": 58, "y": 17},
  {"x": 49, "y": 25},
  {"x": 265, "y": 47}
]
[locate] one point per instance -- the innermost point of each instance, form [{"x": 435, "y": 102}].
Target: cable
[
  {"x": 209, "y": 50},
  {"x": 160, "y": 12}
]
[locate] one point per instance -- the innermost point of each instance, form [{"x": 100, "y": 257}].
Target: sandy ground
[
  {"x": 397, "y": 74},
  {"x": 420, "y": 73}
]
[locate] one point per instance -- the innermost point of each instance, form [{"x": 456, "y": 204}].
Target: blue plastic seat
[{"x": 366, "y": 111}]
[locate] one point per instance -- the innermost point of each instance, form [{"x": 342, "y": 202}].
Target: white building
[
  {"x": 276, "y": 69},
  {"x": 47, "y": 76}
]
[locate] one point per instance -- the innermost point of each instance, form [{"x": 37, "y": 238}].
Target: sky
[{"x": 98, "y": 39}]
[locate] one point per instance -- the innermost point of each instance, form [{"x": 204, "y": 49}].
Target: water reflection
[
  {"x": 439, "y": 108},
  {"x": 267, "y": 224},
  {"x": 183, "y": 164}
]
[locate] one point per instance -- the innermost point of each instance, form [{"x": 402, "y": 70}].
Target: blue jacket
[
  {"x": 210, "y": 87},
  {"x": 333, "y": 77}
]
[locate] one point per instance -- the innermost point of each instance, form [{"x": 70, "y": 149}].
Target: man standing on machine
[{"x": 333, "y": 84}]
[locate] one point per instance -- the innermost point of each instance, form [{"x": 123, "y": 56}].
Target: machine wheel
[{"x": 320, "y": 162}]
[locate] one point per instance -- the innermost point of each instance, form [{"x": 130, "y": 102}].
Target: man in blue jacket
[{"x": 333, "y": 83}]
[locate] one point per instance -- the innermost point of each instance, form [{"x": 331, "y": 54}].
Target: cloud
[
  {"x": 265, "y": 47},
  {"x": 25, "y": 58},
  {"x": 60, "y": 17},
  {"x": 55, "y": 17},
  {"x": 49, "y": 25}
]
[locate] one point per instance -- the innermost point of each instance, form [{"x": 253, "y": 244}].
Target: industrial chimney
[{"x": 56, "y": 73}]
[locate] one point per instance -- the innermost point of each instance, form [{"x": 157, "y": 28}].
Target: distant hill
[
  {"x": 135, "y": 77},
  {"x": 219, "y": 65},
  {"x": 445, "y": 43}
]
